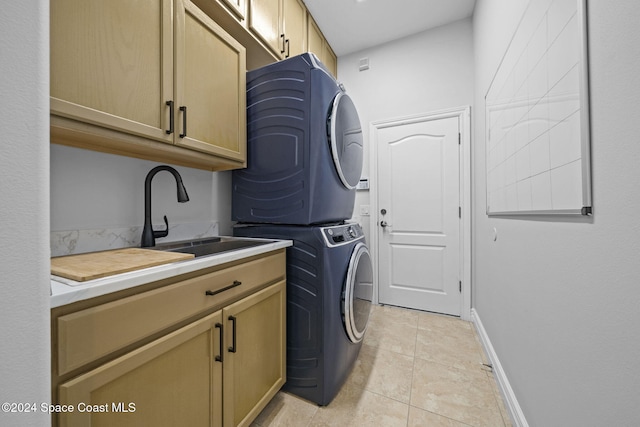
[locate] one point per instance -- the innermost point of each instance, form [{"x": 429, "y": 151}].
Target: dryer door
[
  {"x": 358, "y": 293},
  {"x": 345, "y": 138}
]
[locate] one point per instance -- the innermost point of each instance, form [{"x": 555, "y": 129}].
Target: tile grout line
[{"x": 413, "y": 370}]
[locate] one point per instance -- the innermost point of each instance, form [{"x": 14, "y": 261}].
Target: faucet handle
[{"x": 162, "y": 233}]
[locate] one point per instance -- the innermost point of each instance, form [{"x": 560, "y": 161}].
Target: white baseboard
[{"x": 517, "y": 416}]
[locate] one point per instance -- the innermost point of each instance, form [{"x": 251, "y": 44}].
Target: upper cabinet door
[
  {"x": 111, "y": 64},
  {"x": 264, "y": 21},
  {"x": 316, "y": 43},
  {"x": 329, "y": 59},
  {"x": 210, "y": 84},
  {"x": 294, "y": 25},
  {"x": 315, "y": 39}
]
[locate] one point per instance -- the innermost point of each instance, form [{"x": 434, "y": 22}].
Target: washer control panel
[{"x": 342, "y": 234}]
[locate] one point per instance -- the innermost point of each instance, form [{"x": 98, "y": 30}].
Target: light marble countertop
[{"x": 65, "y": 291}]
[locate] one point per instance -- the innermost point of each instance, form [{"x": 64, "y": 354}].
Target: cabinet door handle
[
  {"x": 283, "y": 43},
  {"x": 233, "y": 348},
  {"x": 171, "y": 127},
  {"x": 226, "y": 288},
  {"x": 220, "y": 357},
  {"x": 288, "y": 50},
  {"x": 184, "y": 121}
]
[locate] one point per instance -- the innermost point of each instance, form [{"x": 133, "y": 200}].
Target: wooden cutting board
[{"x": 94, "y": 265}]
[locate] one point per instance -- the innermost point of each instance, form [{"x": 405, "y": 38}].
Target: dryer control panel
[{"x": 342, "y": 234}]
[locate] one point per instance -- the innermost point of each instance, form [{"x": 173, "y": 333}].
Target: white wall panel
[
  {"x": 558, "y": 297},
  {"x": 24, "y": 210}
]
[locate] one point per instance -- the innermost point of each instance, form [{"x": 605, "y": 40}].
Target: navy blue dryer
[
  {"x": 329, "y": 292},
  {"x": 304, "y": 147}
]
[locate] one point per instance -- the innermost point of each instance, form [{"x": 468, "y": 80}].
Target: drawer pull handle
[
  {"x": 216, "y": 292},
  {"x": 170, "y": 105},
  {"x": 233, "y": 348},
  {"x": 219, "y": 358},
  {"x": 184, "y": 121}
]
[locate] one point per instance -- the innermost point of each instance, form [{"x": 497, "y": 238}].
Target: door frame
[{"x": 464, "y": 116}]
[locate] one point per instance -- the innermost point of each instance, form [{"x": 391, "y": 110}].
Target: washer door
[
  {"x": 358, "y": 293},
  {"x": 345, "y": 138}
]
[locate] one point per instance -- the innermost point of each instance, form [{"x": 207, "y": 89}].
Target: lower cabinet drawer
[{"x": 89, "y": 334}]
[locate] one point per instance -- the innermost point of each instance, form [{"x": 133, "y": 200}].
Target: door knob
[{"x": 383, "y": 224}]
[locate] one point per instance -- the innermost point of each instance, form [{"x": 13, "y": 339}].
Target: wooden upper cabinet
[
  {"x": 112, "y": 63},
  {"x": 159, "y": 70},
  {"x": 317, "y": 44},
  {"x": 264, "y": 22},
  {"x": 294, "y": 27},
  {"x": 329, "y": 59},
  {"x": 160, "y": 80},
  {"x": 280, "y": 24},
  {"x": 315, "y": 38},
  {"x": 210, "y": 91}
]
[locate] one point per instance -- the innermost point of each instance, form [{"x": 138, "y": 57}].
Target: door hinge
[
  {"x": 460, "y": 286},
  {"x": 459, "y": 138},
  {"x": 459, "y": 211}
]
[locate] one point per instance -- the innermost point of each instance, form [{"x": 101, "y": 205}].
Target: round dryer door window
[
  {"x": 358, "y": 293},
  {"x": 345, "y": 135}
]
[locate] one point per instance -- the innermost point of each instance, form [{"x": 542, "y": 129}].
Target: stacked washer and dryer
[{"x": 304, "y": 160}]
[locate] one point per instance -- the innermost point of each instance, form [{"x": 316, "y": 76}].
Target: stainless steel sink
[{"x": 210, "y": 245}]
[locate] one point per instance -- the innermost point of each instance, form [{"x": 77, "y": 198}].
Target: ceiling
[{"x": 353, "y": 25}]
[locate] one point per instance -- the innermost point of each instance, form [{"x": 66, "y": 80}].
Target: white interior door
[{"x": 419, "y": 215}]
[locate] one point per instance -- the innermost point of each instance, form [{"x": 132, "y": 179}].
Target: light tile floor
[{"x": 414, "y": 369}]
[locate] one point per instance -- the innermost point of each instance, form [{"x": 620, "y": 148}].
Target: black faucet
[{"x": 148, "y": 234}]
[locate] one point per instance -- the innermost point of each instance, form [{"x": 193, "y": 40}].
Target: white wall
[
  {"x": 91, "y": 190},
  {"x": 24, "y": 218},
  {"x": 426, "y": 72},
  {"x": 559, "y": 298}
]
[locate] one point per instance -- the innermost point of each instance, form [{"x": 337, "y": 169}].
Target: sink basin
[{"x": 210, "y": 245}]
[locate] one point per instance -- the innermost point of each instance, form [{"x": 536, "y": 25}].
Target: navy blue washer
[
  {"x": 329, "y": 292},
  {"x": 304, "y": 147}
]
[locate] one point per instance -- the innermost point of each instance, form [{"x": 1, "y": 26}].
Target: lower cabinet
[
  {"x": 254, "y": 366},
  {"x": 171, "y": 381},
  {"x": 220, "y": 370}
]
